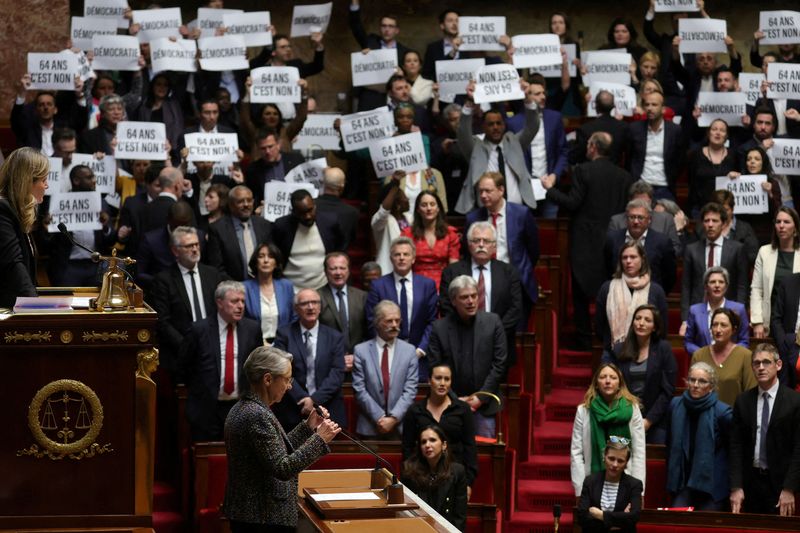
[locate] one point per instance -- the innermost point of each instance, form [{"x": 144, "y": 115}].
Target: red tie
[
  {"x": 385, "y": 375},
  {"x": 229, "y": 361},
  {"x": 710, "y": 254},
  {"x": 481, "y": 290},
  {"x": 494, "y": 219}
]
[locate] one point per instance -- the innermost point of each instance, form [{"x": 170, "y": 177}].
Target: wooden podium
[{"x": 78, "y": 405}]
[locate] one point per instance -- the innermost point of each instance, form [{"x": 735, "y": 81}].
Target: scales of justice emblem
[{"x": 65, "y": 418}]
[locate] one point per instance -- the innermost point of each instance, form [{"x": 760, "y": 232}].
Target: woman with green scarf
[{"x": 608, "y": 409}]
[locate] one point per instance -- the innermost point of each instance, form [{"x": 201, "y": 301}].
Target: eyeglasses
[
  {"x": 637, "y": 218},
  {"x": 189, "y": 246},
  {"x": 308, "y": 303},
  {"x": 766, "y": 363},
  {"x": 697, "y": 381},
  {"x": 482, "y": 241},
  {"x": 619, "y": 440}
]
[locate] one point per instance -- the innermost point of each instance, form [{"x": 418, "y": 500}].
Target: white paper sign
[
  {"x": 783, "y": 80},
  {"x": 115, "y": 52},
  {"x": 54, "y": 176},
  {"x": 750, "y": 85},
  {"x": 52, "y": 71},
  {"x": 111, "y": 9},
  {"x": 209, "y": 19},
  {"x": 454, "y": 75},
  {"x": 105, "y": 170},
  {"x": 77, "y": 210},
  {"x": 179, "y": 56},
  {"x": 84, "y": 66},
  {"x": 310, "y": 19},
  {"x": 534, "y": 51},
  {"x": 252, "y": 27},
  {"x": 481, "y": 33},
  {"x": 310, "y": 172},
  {"x": 779, "y": 27},
  {"x": 211, "y": 146},
  {"x": 749, "y": 197},
  {"x": 539, "y": 192},
  {"x": 318, "y": 133},
  {"x": 555, "y": 70},
  {"x": 275, "y": 84},
  {"x": 624, "y": 98},
  {"x": 702, "y": 35},
  {"x": 403, "y": 152},
  {"x": 374, "y": 67},
  {"x": 607, "y": 66},
  {"x": 84, "y": 28},
  {"x": 360, "y": 129},
  {"x": 141, "y": 140},
  {"x": 277, "y": 197},
  {"x": 676, "y": 6},
  {"x": 730, "y": 107},
  {"x": 785, "y": 156},
  {"x": 497, "y": 83},
  {"x": 157, "y": 23},
  {"x": 227, "y": 52}
]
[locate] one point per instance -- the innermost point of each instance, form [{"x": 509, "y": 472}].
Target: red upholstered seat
[
  {"x": 682, "y": 364},
  {"x": 673, "y": 319},
  {"x": 655, "y": 494}
]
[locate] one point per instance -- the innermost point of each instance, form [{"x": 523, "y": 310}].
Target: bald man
[{"x": 333, "y": 182}]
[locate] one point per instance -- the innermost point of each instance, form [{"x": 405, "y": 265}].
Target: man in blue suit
[
  {"x": 416, "y": 295},
  {"x": 317, "y": 366},
  {"x": 384, "y": 377},
  {"x": 517, "y": 235}
]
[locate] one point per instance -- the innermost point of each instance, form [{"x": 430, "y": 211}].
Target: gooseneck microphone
[
  {"x": 556, "y": 516},
  {"x": 63, "y": 229}
]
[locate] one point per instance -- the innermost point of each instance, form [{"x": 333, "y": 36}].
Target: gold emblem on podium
[{"x": 65, "y": 417}]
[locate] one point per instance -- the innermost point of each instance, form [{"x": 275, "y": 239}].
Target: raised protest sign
[
  {"x": 374, "y": 67},
  {"x": 275, "y": 84},
  {"x": 702, "y": 35},
  {"x": 785, "y": 156},
  {"x": 554, "y": 71},
  {"x": 310, "y": 172},
  {"x": 211, "y": 146},
  {"x": 209, "y": 19},
  {"x": 54, "y": 184},
  {"x": 84, "y": 28},
  {"x": 252, "y": 27},
  {"x": 497, "y": 83},
  {"x": 227, "y": 52},
  {"x": 84, "y": 66},
  {"x": 608, "y": 66},
  {"x": 403, "y": 152},
  {"x": 141, "y": 140},
  {"x": 359, "y": 130},
  {"x": 750, "y": 85},
  {"x": 779, "y": 27},
  {"x": 52, "y": 71},
  {"x": 310, "y": 19},
  {"x": 277, "y": 197},
  {"x": 454, "y": 75},
  {"x": 156, "y": 23},
  {"x": 676, "y": 6},
  {"x": 534, "y": 51},
  {"x": 730, "y": 107},
  {"x": 481, "y": 33},
  {"x": 115, "y": 52},
  {"x": 78, "y": 210},
  {"x": 624, "y": 98},
  {"x": 110, "y": 9},
  {"x": 105, "y": 170},
  {"x": 783, "y": 81},
  {"x": 180, "y": 55},
  {"x": 318, "y": 133},
  {"x": 750, "y": 197}
]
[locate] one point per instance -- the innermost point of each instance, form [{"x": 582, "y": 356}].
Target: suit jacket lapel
[
  {"x": 330, "y": 300},
  {"x": 185, "y": 298},
  {"x": 214, "y": 326},
  {"x": 498, "y": 280}
]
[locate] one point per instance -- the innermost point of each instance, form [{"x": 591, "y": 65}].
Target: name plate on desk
[{"x": 327, "y": 503}]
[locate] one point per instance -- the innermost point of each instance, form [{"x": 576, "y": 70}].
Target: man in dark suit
[
  {"x": 499, "y": 289},
  {"x": 783, "y": 326},
  {"x": 304, "y": 237},
  {"x": 172, "y": 185},
  {"x": 714, "y": 250},
  {"x": 34, "y": 123},
  {"x": 605, "y": 122},
  {"x": 129, "y": 230},
  {"x": 273, "y": 164},
  {"x": 317, "y": 366},
  {"x": 155, "y": 254},
  {"x": 473, "y": 343},
  {"x": 598, "y": 191},
  {"x": 209, "y": 123},
  {"x": 765, "y": 441},
  {"x": 737, "y": 229},
  {"x": 233, "y": 238},
  {"x": 283, "y": 55},
  {"x": 343, "y": 306},
  {"x": 660, "y": 221},
  {"x": 183, "y": 294},
  {"x": 446, "y": 47},
  {"x": 330, "y": 201},
  {"x": 212, "y": 359}
]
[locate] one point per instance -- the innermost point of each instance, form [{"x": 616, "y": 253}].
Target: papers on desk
[
  {"x": 345, "y": 496},
  {"x": 38, "y": 304}
]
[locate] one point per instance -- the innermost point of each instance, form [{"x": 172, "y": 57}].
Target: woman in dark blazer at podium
[
  {"x": 23, "y": 181},
  {"x": 263, "y": 460}
]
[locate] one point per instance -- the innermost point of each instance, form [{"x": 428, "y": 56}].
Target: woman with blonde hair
[{"x": 23, "y": 182}]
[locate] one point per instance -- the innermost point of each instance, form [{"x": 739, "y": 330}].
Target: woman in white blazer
[{"x": 774, "y": 261}]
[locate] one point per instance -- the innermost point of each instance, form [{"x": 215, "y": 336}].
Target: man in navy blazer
[
  {"x": 317, "y": 365},
  {"x": 446, "y": 47}
]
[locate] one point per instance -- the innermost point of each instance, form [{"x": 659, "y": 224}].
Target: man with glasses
[{"x": 765, "y": 441}]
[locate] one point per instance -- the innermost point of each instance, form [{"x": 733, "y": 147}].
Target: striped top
[{"x": 609, "y": 497}]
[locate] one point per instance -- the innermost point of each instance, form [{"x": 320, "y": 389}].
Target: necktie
[
  {"x": 197, "y": 309},
  {"x": 385, "y": 375},
  {"x": 762, "y": 443},
  {"x": 247, "y": 239},
  {"x": 311, "y": 382},
  {"x": 403, "y": 309},
  {"x": 494, "y": 219},
  {"x": 481, "y": 289},
  {"x": 230, "y": 363},
  {"x": 501, "y": 162},
  {"x": 343, "y": 317},
  {"x": 711, "y": 254}
]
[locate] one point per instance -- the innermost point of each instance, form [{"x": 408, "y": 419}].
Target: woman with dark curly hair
[
  {"x": 622, "y": 34},
  {"x": 268, "y": 297},
  {"x": 438, "y": 244}
]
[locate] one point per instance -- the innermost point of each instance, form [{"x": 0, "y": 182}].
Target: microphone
[
  {"x": 556, "y": 516},
  {"x": 63, "y": 229}
]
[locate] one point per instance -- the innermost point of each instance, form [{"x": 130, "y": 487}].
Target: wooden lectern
[{"x": 79, "y": 411}]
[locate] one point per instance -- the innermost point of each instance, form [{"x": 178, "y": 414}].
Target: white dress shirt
[
  {"x": 187, "y": 283},
  {"x": 653, "y": 171},
  {"x": 772, "y": 391},
  {"x": 502, "y": 234}
]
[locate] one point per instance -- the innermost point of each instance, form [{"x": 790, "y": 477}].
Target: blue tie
[{"x": 403, "y": 309}]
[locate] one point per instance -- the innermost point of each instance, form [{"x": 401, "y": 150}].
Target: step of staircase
[
  {"x": 539, "y": 522},
  {"x": 574, "y": 359},
  {"x": 571, "y": 378},
  {"x": 545, "y": 467},
  {"x": 541, "y": 495},
  {"x": 168, "y": 522},
  {"x": 560, "y": 404},
  {"x": 553, "y": 438}
]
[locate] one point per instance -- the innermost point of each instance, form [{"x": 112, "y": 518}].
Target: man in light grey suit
[
  {"x": 661, "y": 222},
  {"x": 500, "y": 151},
  {"x": 378, "y": 361}
]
